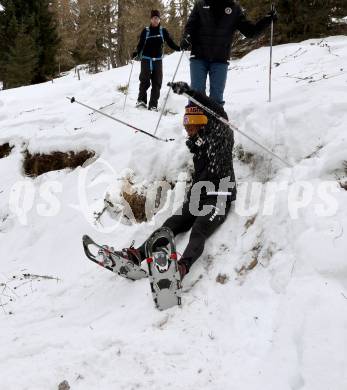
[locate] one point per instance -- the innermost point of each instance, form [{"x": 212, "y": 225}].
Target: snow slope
[{"x": 280, "y": 321}]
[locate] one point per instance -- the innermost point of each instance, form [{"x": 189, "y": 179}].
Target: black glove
[
  {"x": 273, "y": 15},
  {"x": 180, "y": 87},
  {"x": 134, "y": 55},
  {"x": 185, "y": 43}
]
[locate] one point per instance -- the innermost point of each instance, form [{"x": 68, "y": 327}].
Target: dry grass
[
  {"x": 222, "y": 279},
  {"x": 123, "y": 89},
  {"x": 250, "y": 222},
  {"x": 37, "y": 164},
  {"x": 241, "y": 155},
  {"x": 5, "y": 150},
  {"x": 343, "y": 183},
  {"x": 254, "y": 261}
]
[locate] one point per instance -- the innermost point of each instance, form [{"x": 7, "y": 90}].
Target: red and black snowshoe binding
[
  {"x": 163, "y": 270},
  {"x": 115, "y": 261}
]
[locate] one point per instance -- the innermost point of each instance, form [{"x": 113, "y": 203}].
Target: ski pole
[
  {"x": 128, "y": 85},
  {"x": 271, "y": 45},
  {"x": 73, "y": 100},
  {"x": 168, "y": 93},
  {"x": 236, "y": 129}
]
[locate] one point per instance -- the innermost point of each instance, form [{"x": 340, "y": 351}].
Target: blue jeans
[{"x": 217, "y": 71}]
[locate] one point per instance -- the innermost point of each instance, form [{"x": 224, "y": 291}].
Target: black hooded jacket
[
  {"x": 212, "y": 148},
  {"x": 212, "y": 24}
]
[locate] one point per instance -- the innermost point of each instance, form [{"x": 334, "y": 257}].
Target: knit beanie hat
[
  {"x": 194, "y": 116},
  {"x": 154, "y": 13}
]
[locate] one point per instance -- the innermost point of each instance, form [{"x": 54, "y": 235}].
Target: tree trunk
[{"x": 121, "y": 55}]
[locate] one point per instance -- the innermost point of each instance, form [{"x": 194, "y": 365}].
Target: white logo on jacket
[
  {"x": 215, "y": 214},
  {"x": 199, "y": 142},
  {"x": 228, "y": 10}
]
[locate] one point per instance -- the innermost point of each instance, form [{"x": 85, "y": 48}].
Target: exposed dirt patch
[
  {"x": 37, "y": 164},
  {"x": 64, "y": 386},
  {"x": 137, "y": 203},
  {"x": 5, "y": 150},
  {"x": 343, "y": 184}
]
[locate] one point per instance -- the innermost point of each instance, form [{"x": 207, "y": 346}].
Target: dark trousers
[
  {"x": 148, "y": 77},
  {"x": 203, "y": 226}
]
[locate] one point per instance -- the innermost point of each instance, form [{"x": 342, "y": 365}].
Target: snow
[{"x": 278, "y": 324}]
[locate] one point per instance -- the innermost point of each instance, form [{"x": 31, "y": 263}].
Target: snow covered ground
[{"x": 279, "y": 321}]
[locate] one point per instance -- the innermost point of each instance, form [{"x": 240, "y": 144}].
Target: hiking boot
[
  {"x": 153, "y": 108},
  {"x": 141, "y": 104},
  {"x": 132, "y": 254}
]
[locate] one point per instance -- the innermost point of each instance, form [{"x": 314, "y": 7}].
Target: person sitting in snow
[
  {"x": 150, "y": 52},
  {"x": 213, "y": 184}
]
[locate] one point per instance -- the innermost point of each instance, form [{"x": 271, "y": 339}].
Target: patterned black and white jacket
[{"x": 212, "y": 148}]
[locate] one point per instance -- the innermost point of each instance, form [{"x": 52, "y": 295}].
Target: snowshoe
[
  {"x": 164, "y": 275},
  {"x": 118, "y": 262}
]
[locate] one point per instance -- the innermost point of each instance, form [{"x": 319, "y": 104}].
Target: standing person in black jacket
[
  {"x": 211, "y": 143},
  {"x": 150, "y": 51},
  {"x": 209, "y": 32}
]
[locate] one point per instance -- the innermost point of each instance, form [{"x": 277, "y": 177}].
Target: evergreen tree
[
  {"x": 8, "y": 33},
  {"x": 184, "y": 7},
  {"x": 36, "y": 20},
  {"x": 173, "y": 23},
  {"x": 92, "y": 33},
  {"x": 22, "y": 60},
  {"x": 300, "y": 19},
  {"x": 65, "y": 16},
  {"x": 47, "y": 40}
]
